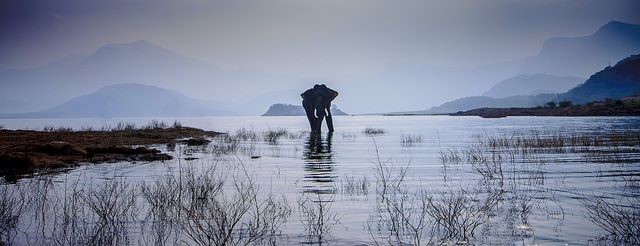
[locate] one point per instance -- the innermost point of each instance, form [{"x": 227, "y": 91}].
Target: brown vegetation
[{"x": 26, "y": 150}]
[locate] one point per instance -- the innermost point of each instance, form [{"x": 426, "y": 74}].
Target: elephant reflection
[
  {"x": 317, "y": 105},
  {"x": 319, "y": 165}
]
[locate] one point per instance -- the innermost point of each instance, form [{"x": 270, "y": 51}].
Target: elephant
[{"x": 317, "y": 105}]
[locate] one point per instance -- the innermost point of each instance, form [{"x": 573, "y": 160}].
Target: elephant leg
[
  {"x": 319, "y": 123},
  {"x": 329, "y": 120},
  {"x": 308, "y": 109}
]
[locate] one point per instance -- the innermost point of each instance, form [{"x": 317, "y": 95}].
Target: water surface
[{"x": 323, "y": 166}]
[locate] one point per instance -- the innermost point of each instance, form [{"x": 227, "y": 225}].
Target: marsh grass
[
  {"x": 160, "y": 224},
  {"x": 12, "y": 208},
  {"x": 316, "y": 216},
  {"x": 370, "y": 131},
  {"x": 451, "y": 155},
  {"x": 214, "y": 206},
  {"x": 212, "y": 215},
  {"x": 631, "y": 182},
  {"x": 96, "y": 215},
  {"x": 57, "y": 129},
  {"x": 422, "y": 216},
  {"x": 118, "y": 127},
  {"x": 246, "y": 134},
  {"x": 558, "y": 141},
  {"x": 520, "y": 155},
  {"x": 353, "y": 185},
  {"x": 272, "y": 136},
  {"x": 111, "y": 206},
  {"x": 228, "y": 144},
  {"x": 621, "y": 220},
  {"x": 489, "y": 153},
  {"x": 458, "y": 213},
  {"x": 410, "y": 140},
  {"x": 224, "y": 144},
  {"x": 155, "y": 124},
  {"x": 246, "y": 142}
]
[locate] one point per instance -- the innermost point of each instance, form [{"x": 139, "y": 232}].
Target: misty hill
[
  {"x": 532, "y": 85},
  {"x": 128, "y": 100},
  {"x": 467, "y": 103},
  {"x": 618, "y": 81},
  {"x": 582, "y": 56},
  {"x": 615, "y": 82},
  {"x": 135, "y": 62},
  {"x": 280, "y": 109}
]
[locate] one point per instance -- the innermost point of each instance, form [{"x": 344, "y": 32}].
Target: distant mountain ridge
[
  {"x": 135, "y": 62},
  {"x": 582, "y": 56},
  {"x": 467, "y": 103},
  {"x": 556, "y": 67},
  {"x": 128, "y": 100},
  {"x": 519, "y": 91},
  {"x": 532, "y": 84},
  {"x": 620, "y": 80}
]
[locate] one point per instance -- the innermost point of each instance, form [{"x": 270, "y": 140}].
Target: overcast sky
[
  {"x": 333, "y": 39},
  {"x": 303, "y": 37}
]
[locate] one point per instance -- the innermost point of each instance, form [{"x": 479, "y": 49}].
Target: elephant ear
[
  {"x": 306, "y": 93},
  {"x": 332, "y": 94}
]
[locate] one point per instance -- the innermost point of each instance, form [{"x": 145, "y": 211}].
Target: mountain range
[
  {"x": 532, "y": 84},
  {"x": 467, "y": 103},
  {"x": 135, "y": 62},
  {"x": 555, "y": 69},
  {"x": 519, "y": 91},
  {"x": 582, "y": 56},
  {"x": 128, "y": 100},
  {"x": 613, "y": 82},
  {"x": 553, "y": 73}
]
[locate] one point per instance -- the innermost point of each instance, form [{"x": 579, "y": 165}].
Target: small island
[{"x": 280, "y": 109}]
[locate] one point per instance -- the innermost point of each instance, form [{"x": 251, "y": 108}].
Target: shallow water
[{"x": 320, "y": 167}]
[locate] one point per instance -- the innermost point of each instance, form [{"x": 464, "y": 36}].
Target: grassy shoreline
[{"x": 24, "y": 151}]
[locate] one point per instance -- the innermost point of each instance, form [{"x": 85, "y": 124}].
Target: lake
[{"x": 514, "y": 180}]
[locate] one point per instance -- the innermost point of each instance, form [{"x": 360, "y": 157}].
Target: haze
[{"x": 381, "y": 56}]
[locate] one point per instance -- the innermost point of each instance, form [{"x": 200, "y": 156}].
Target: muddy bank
[{"x": 23, "y": 151}]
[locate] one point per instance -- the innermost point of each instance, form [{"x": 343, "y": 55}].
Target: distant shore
[
  {"x": 607, "y": 108},
  {"x": 25, "y": 151}
]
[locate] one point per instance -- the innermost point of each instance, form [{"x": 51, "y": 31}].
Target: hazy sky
[
  {"x": 326, "y": 39},
  {"x": 303, "y": 37}
]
